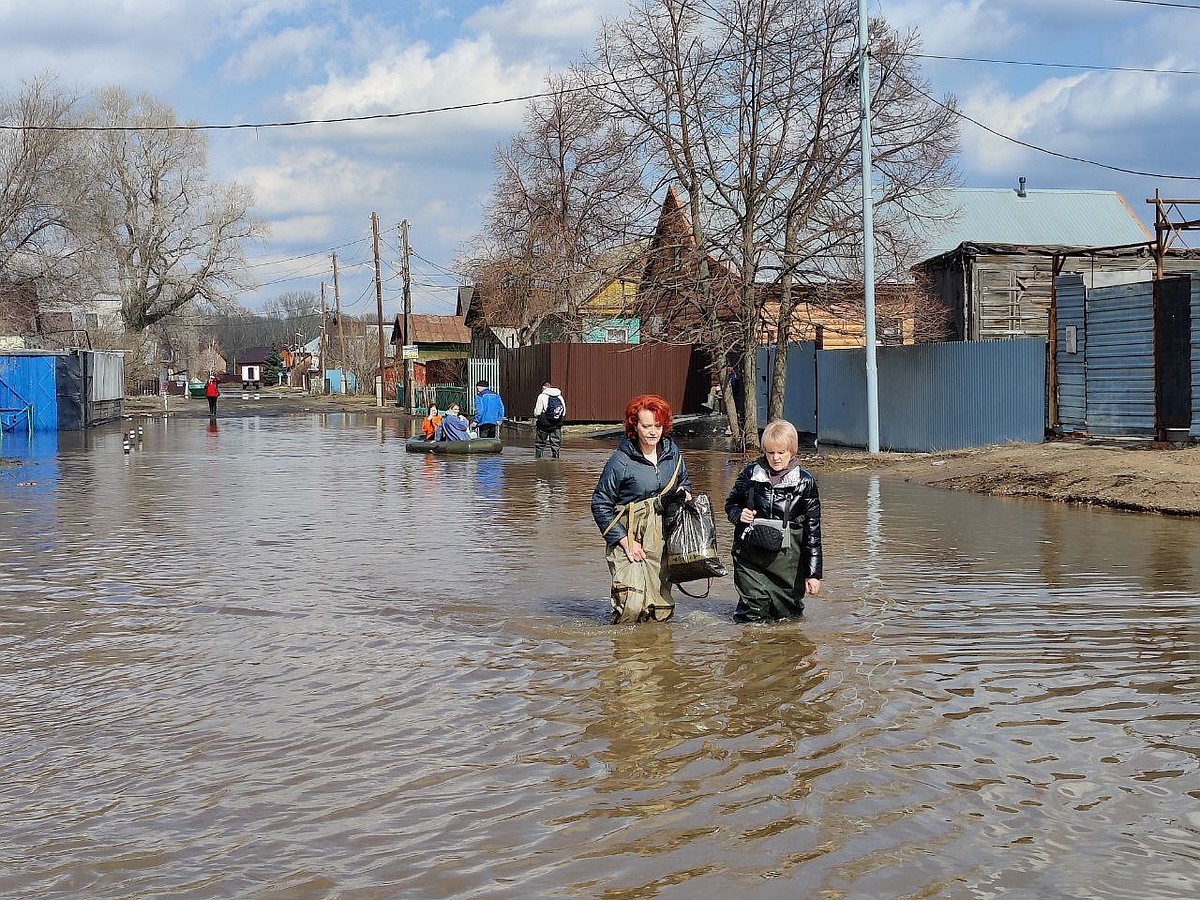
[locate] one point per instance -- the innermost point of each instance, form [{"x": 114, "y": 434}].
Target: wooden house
[
  {"x": 989, "y": 257},
  {"x": 608, "y": 308},
  {"x": 442, "y": 345}
]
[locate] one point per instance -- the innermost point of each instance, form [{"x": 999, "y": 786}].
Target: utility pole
[
  {"x": 408, "y": 363},
  {"x": 337, "y": 303},
  {"x": 323, "y": 357},
  {"x": 868, "y": 205},
  {"x": 378, "y": 307}
]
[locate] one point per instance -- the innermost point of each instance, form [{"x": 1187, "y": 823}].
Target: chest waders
[
  {"x": 640, "y": 590},
  {"x": 770, "y": 586}
]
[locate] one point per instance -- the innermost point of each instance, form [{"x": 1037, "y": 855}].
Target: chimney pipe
[{"x": 1021, "y": 192}]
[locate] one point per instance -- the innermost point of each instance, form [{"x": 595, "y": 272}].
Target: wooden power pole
[
  {"x": 324, "y": 358},
  {"x": 337, "y": 302},
  {"x": 378, "y": 301},
  {"x": 408, "y": 340}
]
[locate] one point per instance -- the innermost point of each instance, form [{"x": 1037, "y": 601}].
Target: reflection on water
[{"x": 283, "y": 657}]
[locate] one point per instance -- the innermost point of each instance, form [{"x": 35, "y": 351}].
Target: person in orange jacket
[
  {"x": 212, "y": 392},
  {"x": 430, "y": 423}
]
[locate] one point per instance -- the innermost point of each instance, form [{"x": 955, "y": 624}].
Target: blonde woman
[{"x": 776, "y": 512}]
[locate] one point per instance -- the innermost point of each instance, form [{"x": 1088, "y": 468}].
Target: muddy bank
[{"x": 1136, "y": 478}]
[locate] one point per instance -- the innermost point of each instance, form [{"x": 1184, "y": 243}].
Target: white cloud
[
  {"x": 140, "y": 45},
  {"x": 541, "y": 22},
  {"x": 302, "y": 229},
  {"x": 955, "y": 28},
  {"x": 1023, "y": 117},
  {"x": 297, "y": 49},
  {"x": 313, "y": 182},
  {"x": 412, "y": 79},
  {"x": 248, "y": 17}
]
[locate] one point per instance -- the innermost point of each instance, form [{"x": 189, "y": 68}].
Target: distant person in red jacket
[{"x": 212, "y": 392}]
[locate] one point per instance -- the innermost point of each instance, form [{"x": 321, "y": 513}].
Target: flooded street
[{"x": 284, "y": 658}]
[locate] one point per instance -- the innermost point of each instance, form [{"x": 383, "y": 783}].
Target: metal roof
[
  {"x": 439, "y": 330},
  {"x": 1060, "y": 218}
]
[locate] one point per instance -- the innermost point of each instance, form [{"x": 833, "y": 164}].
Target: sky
[{"x": 227, "y": 62}]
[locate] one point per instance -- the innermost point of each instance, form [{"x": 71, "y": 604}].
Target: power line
[
  {"x": 448, "y": 272},
  {"x": 1067, "y": 156},
  {"x": 481, "y": 104},
  {"x": 318, "y": 252},
  {"x": 1158, "y": 3},
  {"x": 1145, "y": 70},
  {"x": 373, "y": 117}
]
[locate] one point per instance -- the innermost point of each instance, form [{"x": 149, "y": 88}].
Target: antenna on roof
[{"x": 1021, "y": 192}]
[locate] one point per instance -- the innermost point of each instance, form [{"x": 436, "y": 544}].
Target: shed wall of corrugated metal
[
  {"x": 598, "y": 380},
  {"x": 1120, "y": 360},
  {"x": 936, "y": 396},
  {"x": 1072, "y": 370},
  {"x": 107, "y": 375},
  {"x": 1194, "y": 431},
  {"x": 28, "y": 380}
]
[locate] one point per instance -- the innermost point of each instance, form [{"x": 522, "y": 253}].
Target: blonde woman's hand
[
  {"x": 812, "y": 585},
  {"x": 747, "y": 516}
]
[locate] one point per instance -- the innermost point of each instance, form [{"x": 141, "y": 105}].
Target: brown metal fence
[{"x": 598, "y": 380}]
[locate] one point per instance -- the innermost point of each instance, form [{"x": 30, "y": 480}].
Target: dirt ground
[{"x": 1133, "y": 476}]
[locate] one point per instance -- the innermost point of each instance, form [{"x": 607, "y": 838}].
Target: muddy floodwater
[{"x": 280, "y": 657}]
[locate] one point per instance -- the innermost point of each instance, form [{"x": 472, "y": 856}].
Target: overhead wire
[
  {"x": 1165, "y": 3},
  {"x": 616, "y": 81}
]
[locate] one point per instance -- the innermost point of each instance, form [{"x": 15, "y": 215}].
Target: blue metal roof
[{"x": 1040, "y": 218}]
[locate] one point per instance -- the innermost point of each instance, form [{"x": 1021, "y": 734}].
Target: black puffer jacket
[
  {"x": 628, "y": 477},
  {"x": 795, "y": 500}
]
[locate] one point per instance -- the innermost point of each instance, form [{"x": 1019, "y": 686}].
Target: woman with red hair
[{"x": 646, "y": 471}]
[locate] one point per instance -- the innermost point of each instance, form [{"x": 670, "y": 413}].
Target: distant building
[{"x": 250, "y": 364}]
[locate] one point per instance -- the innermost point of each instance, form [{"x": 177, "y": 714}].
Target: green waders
[
  {"x": 770, "y": 586},
  {"x": 640, "y": 590}
]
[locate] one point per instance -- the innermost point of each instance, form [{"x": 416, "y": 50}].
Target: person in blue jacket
[
  {"x": 489, "y": 410},
  {"x": 453, "y": 426},
  {"x": 645, "y": 473}
]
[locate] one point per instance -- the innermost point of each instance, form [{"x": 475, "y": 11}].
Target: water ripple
[{"x": 288, "y": 659}]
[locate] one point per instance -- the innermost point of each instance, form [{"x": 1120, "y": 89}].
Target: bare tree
[
  {"x": 42, "y": 186},
  {"x": 168, "y": 235},
  {"x": 751, "y": 107},
  {"x": 567, "y": 190},
  {"x": 296, "y": 315}
]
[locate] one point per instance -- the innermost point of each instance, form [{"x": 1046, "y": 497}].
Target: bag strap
[
  {"x": 621, "y": 510},
  {"x": 686, "y": 593}
]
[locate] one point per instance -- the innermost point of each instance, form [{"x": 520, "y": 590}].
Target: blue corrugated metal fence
[{"x": 931, "y": 396}]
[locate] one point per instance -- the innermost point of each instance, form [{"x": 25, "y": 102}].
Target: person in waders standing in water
[
  {"x": 775, "y": 508},
  {"x": 644, "y": 475},
  {"x": 212, "y": 392}
]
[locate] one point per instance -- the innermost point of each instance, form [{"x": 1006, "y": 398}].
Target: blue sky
[{"x": 245, "y": 61}]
